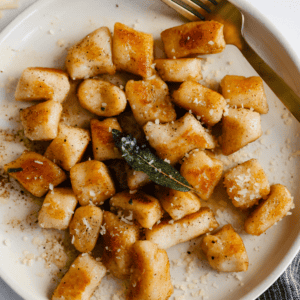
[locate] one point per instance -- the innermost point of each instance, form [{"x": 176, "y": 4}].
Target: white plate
[{"x": 27, "y": 42}]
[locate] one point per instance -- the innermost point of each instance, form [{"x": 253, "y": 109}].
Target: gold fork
[{"x": 233, "y": 20}]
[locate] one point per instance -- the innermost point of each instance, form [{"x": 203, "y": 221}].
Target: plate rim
[{"x": 294, "y": 249}]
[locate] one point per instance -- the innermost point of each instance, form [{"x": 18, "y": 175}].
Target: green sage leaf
[{"x": 140, "y": 158}]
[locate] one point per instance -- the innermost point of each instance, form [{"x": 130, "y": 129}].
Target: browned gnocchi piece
[
  {"x": 102, "y": 139},
  {"x": 173, "y": 140},
  {"x": 35, "y": 173},
  {"x": 145, "y": 208},
  {"x": 85, "y": 227},
  {"x": 239, "y": 128},
  {"x": 91, "y": 56},
  {"x": 169, "y": 232},
  {"x": 202, "y": 101},
  {"x": 40, "y": 121},
  {"x": 101, "y": 97},
  {"x": 81, "y": 280},
  {"x": 150, "y": 101},
  {"x": 68, "y": 147},
  {"x": 270, "y": 211},
  {"x": 246, "y": 184},
  {"x": 57, "y": 209},
  {"x": 132, "y": 50},
  {"x": 179, "y": 70},
  {"x": 150, "y": 278},
  {"x": 91, "y": 182},
  {"x": 118, "y": 239},
  {"x": 42, "y": 84},
  {"x": 177, "y": 204},
  {"x": 193, "y": 38},
  {"x": 202, "y": 172},
  {"x": 245, "y": 92},
  {"x": 225, "y": 250},
  {"x": 136, "y": 179}
]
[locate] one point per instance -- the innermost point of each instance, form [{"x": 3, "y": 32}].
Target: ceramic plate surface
[{"x": 39, "y": 37}]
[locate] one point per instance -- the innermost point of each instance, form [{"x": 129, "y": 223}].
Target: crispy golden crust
[
  {"x": 193, "y": 38},
  {"x": 245, "y": 92},
  {"x": 37, "y": 173},
  {"x": 132, "y": 50},
  {"x": 225, "y": 250}
]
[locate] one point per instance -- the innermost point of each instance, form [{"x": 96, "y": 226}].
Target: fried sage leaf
[{"x": 140, "y": 158}]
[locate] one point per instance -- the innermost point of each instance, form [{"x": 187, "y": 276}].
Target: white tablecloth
[{"x": 284, "y": 14}]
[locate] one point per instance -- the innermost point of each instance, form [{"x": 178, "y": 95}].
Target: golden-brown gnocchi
[
  {"x": 169, "y": 232},
  {"x": 177, "y": 204},
  {"x": 239, "y": 128},
  {"x": 202, "y": 172},
  {"x": 150, "y": 101},
  {"x": 179, "y": 70},
  {"x": 42, "y": 84},
  {"x": 68, "y": 147},
  {"x": 35, "y": 173},
  {"x": 225, "y": 250},
  {"x": 136, "y": 179},
  {"x": 240, "y": 91},
  {"x": 246, "y": 184},
  {"x": 269, "y": 211},
  {"x": 151, "y": 277},
  {"x": 91, "y": 182},
  {"x": 85, "y": 227},
  {"x": 118, "y": 239},
  {"x": 193, "y": 38},
  {"x": 101, "y": 97},
  {"x": 102, "y": 139},
  {"x": 40, "y": 121},
  {"x": 91, "y": 56},
  {"x": 57, "y": 209},
  {"x": 132, "y": 50},
  {"x": 202, "y": 101},
  {"x": 81, "y": 280},
  {"x": 145, "y": 208},
  {"x": 173, "y": 140}
]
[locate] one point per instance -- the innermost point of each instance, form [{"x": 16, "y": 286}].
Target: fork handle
[{"x": 287, "y": 96}]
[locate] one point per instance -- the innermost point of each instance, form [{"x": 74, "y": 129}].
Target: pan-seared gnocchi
[
  {"x": 133, "y": 50},
  {"x": 179, "y": 70},
  {"x": 41, "y": 121},
  {"x": 85, "y": 227},
  {"x": 270, "y": 211},
  {"x": 202, "y": 172},
  {"x": 142, "y": 207},
  {"x": 91, "y": 56},
  {"x": 225, "y": 250},
  {"x": 173, "y": 140},
  {"x": 240, "y": 91},
  {"x": 239, "y": 128},
  {"x": 118, "y": 238},
  {"x": 136, "y": 179},
  {"x": 193, "y": 38},
  {"x": 35, "y": 173},
  {"x": 68, "y": 147},
  {"x": 91, "y": 182},
  {"x": 102, "y": 139},
  {"x": 42, "y": 84},
  {"x": 202, "y": 101},
  {"x": 150, "y": 278},
  {"x": 246, "y": 184},
  {"x": 176, "y": 203},
  {"x": 57, "y": 209},
  {"x": 150, "y": 101},
  {"x": 80, "y": 282},
  {"x": 101, "y": 97},
  {"x": 169, "y": 232}
]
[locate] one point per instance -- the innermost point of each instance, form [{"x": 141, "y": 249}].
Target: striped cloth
[{"x": 287, "y": 287}]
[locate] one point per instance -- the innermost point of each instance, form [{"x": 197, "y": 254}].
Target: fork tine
[
  {"x": 202, "y": 5},
  {"x": 213, "y": 2},
  {"x": 185, "y": 10}
]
